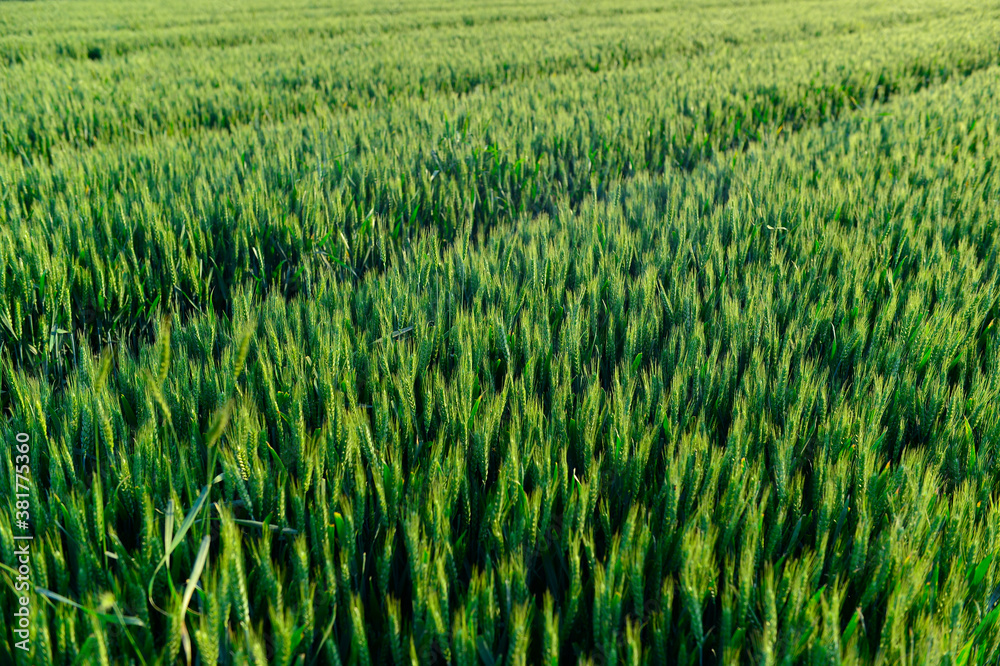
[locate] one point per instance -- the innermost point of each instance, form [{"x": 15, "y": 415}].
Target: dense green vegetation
[{"x": 621, "y": 333}]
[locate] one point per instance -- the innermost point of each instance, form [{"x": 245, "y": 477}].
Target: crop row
[
  {"x": 47, "y": 105},
  {"x": 742, "y": 414},
  {"x": 99, "y": 240},
  {"x": 81, "y": 31}
]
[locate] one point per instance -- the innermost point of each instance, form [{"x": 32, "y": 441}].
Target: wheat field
[{"x": 398, "y": 332}]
